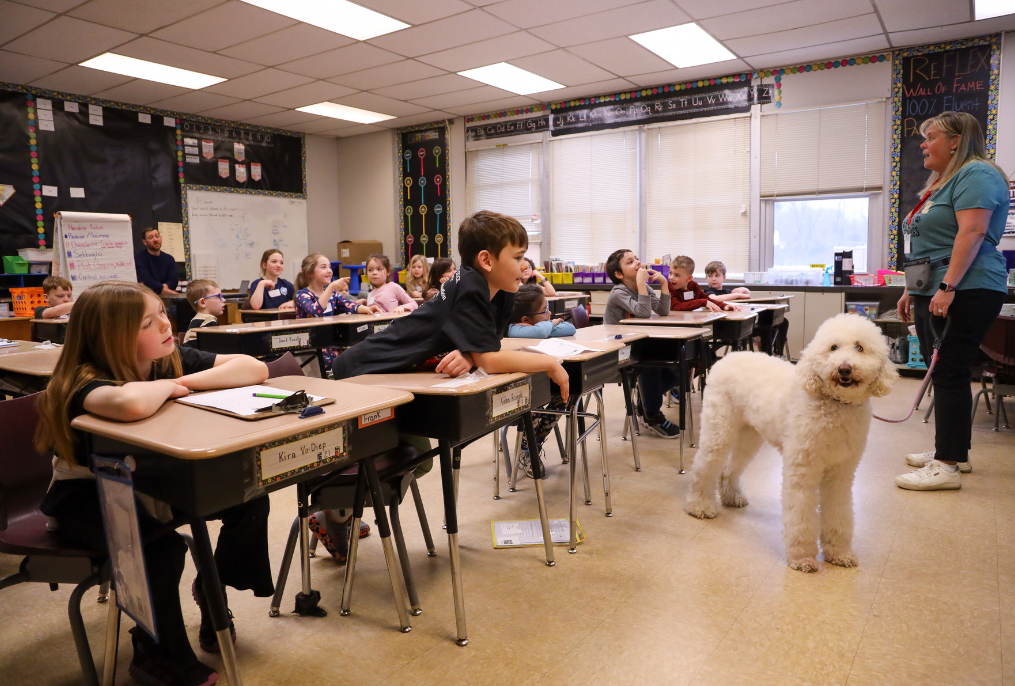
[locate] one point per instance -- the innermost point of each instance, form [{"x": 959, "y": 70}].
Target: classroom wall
[
  {"x": 1006, "y": 118},
  {"x": 322, "y": 196}
]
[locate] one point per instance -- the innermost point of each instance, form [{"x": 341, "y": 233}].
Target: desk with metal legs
[
  {"x": 217, "y": 463},
  {"x": 456, "y": 415},
  {"x": 25, "y": 368}
]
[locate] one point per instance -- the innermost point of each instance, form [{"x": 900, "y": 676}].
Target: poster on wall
[
  {"x": 226, "y": 150},
  {"x": 962, "y": 76},
  {"x": 424, "y": 191}
]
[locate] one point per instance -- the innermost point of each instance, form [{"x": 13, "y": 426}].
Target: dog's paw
[
  {"x": 733, "y": 497},
  {"x": 804, "y": 564},
  {"x": 701, "y": 509},
  {"x": 843, "y": 559}
]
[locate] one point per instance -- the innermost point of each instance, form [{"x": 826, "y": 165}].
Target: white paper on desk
[
  {"x": 241, "y": 401},
  {"x": 558, "y": 348},
  {"x": 465, "y": 379}
]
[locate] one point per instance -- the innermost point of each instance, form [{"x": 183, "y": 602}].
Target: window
[
  {"x": 807, "y": 232},
  {"x": 828, "y": 150},
  {"x": 594, "y": 196},
  {"x": 698, "y": 191},
  {"x": 507, "y": 180}
]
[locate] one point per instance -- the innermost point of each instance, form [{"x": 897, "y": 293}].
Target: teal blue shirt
[{"x": 932, "y": 232}]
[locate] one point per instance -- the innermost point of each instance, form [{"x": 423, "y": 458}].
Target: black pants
[
  {"x": 654, "y": 383},
  {"x": 241, "y": 555},
  {"x": 971, "y": 314}
]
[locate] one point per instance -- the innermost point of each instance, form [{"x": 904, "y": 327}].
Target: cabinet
[{"x": 807, "y": 311}]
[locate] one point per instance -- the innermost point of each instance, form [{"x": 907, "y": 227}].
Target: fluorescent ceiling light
[
  {"x": 338, "y": 16},
  {"x": 335, "y": 111},
  {"x": 686, "y": 45},
  {"x": 985, "y": 9},
  {"x": 511, "y": 78},
  {"x": 151, "y": 71}
]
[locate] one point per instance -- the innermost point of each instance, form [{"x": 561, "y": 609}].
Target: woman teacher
[{"x": 952, "y": 236}]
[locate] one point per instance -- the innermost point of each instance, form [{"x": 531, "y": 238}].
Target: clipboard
[{"x": 243, "y": 393}]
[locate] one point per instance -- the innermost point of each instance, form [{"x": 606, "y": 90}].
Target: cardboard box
[{"x": 356, "y": 252}]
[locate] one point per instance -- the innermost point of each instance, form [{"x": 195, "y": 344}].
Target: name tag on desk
[
  {"x": 570, "y": 304},
  {"x": 280, "y": 460},
  {"x": 376, "y": 416},
  {"x": 509, "y": 400},
  {"x": 288, "y": 341},
  {"x": 624, "y": 354},
  {"x": 380, "y": 327}
]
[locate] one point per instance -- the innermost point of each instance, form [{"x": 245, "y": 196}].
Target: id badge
[
  {"x": 688, "y": 295},
  {"x": 370, "y": 299},
  {"x": 275, "y": 293},
  {"x": 328, "y": 309}
]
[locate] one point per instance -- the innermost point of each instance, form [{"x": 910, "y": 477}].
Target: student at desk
[
  {"x": 58, "y": 292},
  {"x": 686, "y": 293},
  {"x": 271, "y": 291},
  {"x": 120, "y": 362}
]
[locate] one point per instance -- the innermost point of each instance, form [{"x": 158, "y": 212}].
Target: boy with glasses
[{"x": 207, "y": 299}]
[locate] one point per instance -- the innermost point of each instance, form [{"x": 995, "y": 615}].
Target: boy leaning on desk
[{"x": 459, "y": 328}]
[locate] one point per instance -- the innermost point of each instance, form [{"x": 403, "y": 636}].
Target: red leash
[{"x": 926, "y": 378}]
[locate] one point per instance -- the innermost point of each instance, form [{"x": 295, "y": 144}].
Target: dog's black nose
[{"x": 845, "y": 370}]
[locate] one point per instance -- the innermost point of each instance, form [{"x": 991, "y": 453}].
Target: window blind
[
  {"x": 506, "y": 180},
  {"x": 594, "y": 195},
  {"x": 698, "y": 192},
  {"x": 827, "y": 150}
]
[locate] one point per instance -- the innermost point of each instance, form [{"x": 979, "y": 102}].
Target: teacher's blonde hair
[{"x": 971, "y": 148}]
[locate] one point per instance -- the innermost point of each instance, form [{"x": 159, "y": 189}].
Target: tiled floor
[{"x": 652, "y": 597}]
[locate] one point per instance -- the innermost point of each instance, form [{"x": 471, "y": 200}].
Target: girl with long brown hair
[{"x": 120, "y": 361}]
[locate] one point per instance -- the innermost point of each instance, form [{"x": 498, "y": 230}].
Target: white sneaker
[
  {"x": 932, "y": 477},
  {"x": 921, "y": 460}
]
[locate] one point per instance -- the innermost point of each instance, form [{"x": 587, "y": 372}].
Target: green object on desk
[{"x": 270, "y": 395}]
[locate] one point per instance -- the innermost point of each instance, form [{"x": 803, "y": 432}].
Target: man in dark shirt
[{"x": 155, "y": 269}]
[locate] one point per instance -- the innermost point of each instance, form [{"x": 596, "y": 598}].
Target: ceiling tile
[
  {"x": 833, "y": 31},
  {"x": 702, "y": 71},
  {"x": 493, "y": 105},
  {"x": 388, "y": 75},
  {"x": 81, "y": 80},
  {"x": 529, "y": 13},
  {"x": 259, "y": 83},
  {"x": 69, "y": 40},
  {"x": 563, "y": 67},
  {"x": 283, "y": 119},
  {"x": 955, "y": 31},
  {"x": 425, "y": 118},
  {"x": 319, "y": 125},
  {"x": 415, "y": 12},
  {"x": 195, "y": 101},
  {"x": 288, "y": 44},
  {"x": 52, "y": 5},
  {"x": 490, "y": 51},
  {"x": 241, "y": 110},
  {"x": 358, "y": 130},
  {"x": 702, "y": 9},
  {"x": 466, "y": 97},
  {"x": 139, "y": 92},
  {"x": 443, "y": 34},
  {"x": 183, "y": 57},
  {"x": 309, "y": 94},
  {"x": 19, "y": 19},
  {"x": 139, "y": 16},
  {"x": 828, "y": 51},
  {"x": 621, "y": 56},
  {"x": 899, "y": 15},
  {"x": 624, "y": 21},
  {"x": 379, "y": 103},
  {"x": 425, "y": 87},
  {"x": 222, "y": 26},
  {"x": 599, "y": 88},
  {"x": 15, "y": 68},
  {"x": 792, "y": 15},
  {"x": 351, "y": 58}
]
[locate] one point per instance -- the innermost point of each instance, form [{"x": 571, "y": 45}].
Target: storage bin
[
  {"x": 895, "y": 280},
  {"x": 598, "y": 277},
  {"x": 39, "y": 267},
  {"x": 754, "y": 277},
  {"x": 864, "y": 309},
  {"x": 25, "y": 300},
  {"x": 15, "y": 264},
  {"x": 567, "y": 277},
  {"x": 36, "y": 255},
  {"x": 916, "y": 360},
  {"x": 862, "y": 279}
]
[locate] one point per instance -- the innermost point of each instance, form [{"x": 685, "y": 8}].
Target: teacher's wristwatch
[{"x": 946, "y": 287}]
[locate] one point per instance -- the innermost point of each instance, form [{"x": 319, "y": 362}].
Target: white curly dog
[{"x": 816, "y": 414}]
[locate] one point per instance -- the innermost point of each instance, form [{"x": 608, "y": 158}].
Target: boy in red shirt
[{"x": 686, "y": 294}]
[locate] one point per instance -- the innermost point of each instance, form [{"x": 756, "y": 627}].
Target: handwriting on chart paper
[{"x": 96, "y": 252}]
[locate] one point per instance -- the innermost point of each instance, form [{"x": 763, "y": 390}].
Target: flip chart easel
[{"x": 93, "y": 247}]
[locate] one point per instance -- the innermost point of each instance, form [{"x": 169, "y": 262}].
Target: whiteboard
[
  {"x": 93, "y": 247},
  {"x": 229, "y": 232}
]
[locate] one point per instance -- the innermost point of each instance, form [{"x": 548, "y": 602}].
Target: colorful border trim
[
  {"x": 994, "y": 41},
  {"x": 533, "y": 109},
  {"x": 36, "y": 185},
  {"x": 817, "y": 66},
  {"x": 446, "y": 123},
  {"x": 644, "y": 92}
]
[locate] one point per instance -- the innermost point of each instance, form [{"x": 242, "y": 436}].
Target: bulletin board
[
  {"x": 926, "y": 81},
  {"x": 60, "y": 151},
  {"x": 424, "y": 191}
]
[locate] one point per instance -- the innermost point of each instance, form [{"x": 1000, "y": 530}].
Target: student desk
[
  {"x": 765, "y": 299},
  {"x": 729, "y": 326},
  {"x": 564, "y": 302},
  {"x": 215, "y": 463},
  {"x": 266, "y": 315},
  {"x": 16, "y": 328},
  {"x": 53, "y": 330},
  {"x": 770, "y": 316},
  {"x": 456, "y": 417},
  {"x": 26, "y": 369},
  {"x": 273, "y": 338}
]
